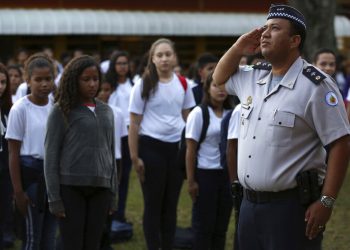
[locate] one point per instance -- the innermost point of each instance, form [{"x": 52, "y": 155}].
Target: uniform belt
[{"x": 265, "y": 197}]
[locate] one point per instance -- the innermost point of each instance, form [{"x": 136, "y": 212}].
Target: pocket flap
[
  {"x": 246, "y": 111},
  {"x": 285, "y": 119}
]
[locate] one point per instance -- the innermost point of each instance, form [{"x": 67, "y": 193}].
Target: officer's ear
[{"x": 295, "y": 41}]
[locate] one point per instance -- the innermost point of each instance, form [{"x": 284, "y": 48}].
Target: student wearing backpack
[
  {"x": 159, "y": 105},
  {"x": 208, "y": 182}
]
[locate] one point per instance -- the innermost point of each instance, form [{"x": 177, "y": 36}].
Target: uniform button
[
  {"x": 253, "y": 137},
  {"x": 247, "y": 175},
  {"x": 259, "y": 118},
  {"x": 280, "y": 123},
  {"x": 250, "y": 156}
]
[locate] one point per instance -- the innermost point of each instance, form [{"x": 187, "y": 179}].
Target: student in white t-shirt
[
  {"x": 120, "y": 131},
  {"x": 159, "y": 106},
  {"x": 16, "y": 79},
  {"x": 25, "y": 134},
  {"x": 119, "y": 76},
  {"x": 208, "y": 182}
]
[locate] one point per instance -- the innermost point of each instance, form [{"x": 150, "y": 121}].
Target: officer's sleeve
[
  {"x": 326, "y": 112},
  {"x": 235, "y": 84}
]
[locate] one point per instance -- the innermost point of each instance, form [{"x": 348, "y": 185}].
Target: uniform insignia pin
[{"x": 249, "y": 100}]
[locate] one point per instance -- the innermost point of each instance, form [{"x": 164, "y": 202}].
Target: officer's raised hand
[{"x": 247, "y": 44}]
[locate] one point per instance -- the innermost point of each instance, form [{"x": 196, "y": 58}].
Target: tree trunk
[{"x": 319, "y": 15}]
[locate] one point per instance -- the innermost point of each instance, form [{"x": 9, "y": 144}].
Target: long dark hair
[
  {"x": 5, "y": 99},
  {"x": 206, "y": 95},
  {"x": 111, "y": 74},
  {"x": 68, "y": 95},
  {"x": 150, "y": 76}
]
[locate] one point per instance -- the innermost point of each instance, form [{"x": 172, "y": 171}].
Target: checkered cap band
[{"x": 286, "y": 12}]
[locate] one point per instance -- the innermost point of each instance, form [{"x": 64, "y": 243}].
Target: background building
[{"x": 98, "y": 27}]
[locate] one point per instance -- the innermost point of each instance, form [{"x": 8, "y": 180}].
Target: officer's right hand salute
[{"x": 247, "y": 44}]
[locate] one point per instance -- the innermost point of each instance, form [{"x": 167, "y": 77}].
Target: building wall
[{"x": 180, "y": 5}]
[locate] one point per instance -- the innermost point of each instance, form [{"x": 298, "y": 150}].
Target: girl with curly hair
[{"x": 80, "y": 166}]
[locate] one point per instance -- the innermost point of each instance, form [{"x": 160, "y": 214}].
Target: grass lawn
[{"x": 336, "y": 236}]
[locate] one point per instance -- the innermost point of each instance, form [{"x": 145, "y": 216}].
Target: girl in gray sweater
[{"x": 80, "y": 169}]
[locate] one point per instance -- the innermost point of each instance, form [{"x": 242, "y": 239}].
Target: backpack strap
[
  {"x": 183, "y": 81},
  {"x": 205, "y": 116}
]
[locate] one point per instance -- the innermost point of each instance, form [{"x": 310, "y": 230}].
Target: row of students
[
  {"x": 74, "y": 193},
  {"x": 150, "y": 103}
]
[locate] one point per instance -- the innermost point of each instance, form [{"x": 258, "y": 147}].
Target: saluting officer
[{"x": 290, "y": 110}]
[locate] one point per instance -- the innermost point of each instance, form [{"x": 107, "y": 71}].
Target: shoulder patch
[
  {"x": 263, "y": 66},
  {"x": 313, "y": 74}
]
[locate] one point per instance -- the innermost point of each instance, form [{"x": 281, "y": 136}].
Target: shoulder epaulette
[
  {"x": 263, "y": 66},
  {"x": 313, "y": 74}
]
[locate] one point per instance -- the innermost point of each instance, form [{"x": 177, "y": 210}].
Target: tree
[{"x": 319, "y": 15}]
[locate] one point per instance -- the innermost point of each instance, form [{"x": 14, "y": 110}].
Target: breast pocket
[
  {"x": 281, "y": 129},
  {"x": 245, "y": 120}
]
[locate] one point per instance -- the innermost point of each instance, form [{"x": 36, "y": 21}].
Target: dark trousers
[
  {"x": 161, "y": 189},
  {"x": 86, "y": 211},
  {"x": 212, "y": 209},
  {"x": 124, "y": 181},
  {"x": 2, "y": 206},
  {"x": 274, "y": 226},
  {"x": 7, "y": 224}
]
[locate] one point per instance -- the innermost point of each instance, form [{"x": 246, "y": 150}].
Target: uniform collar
[{"x": 289, "y": 78}]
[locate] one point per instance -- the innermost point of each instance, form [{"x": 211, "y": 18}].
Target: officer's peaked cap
[{"x": 287, "y": 12}]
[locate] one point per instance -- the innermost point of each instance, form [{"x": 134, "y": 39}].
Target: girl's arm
[
  {"x": 191, "y": 154},
  {"x": 231, "y": 156},
  {"x": 55, "y": 130},
  {"x": 137, "y": 163},
  {"x": 185, "y": 113},
  {"x": 21, "y": 197}
]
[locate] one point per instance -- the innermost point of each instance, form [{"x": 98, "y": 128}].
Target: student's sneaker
[{"x": 121, "y": 231}]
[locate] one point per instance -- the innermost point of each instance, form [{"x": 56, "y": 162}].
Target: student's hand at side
[
  {"x": 193, "y": 190},
  {"x": 22, "y": 202},
  {"x": 140, "y": 169},
  {"x": 60, "y": 215}
]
